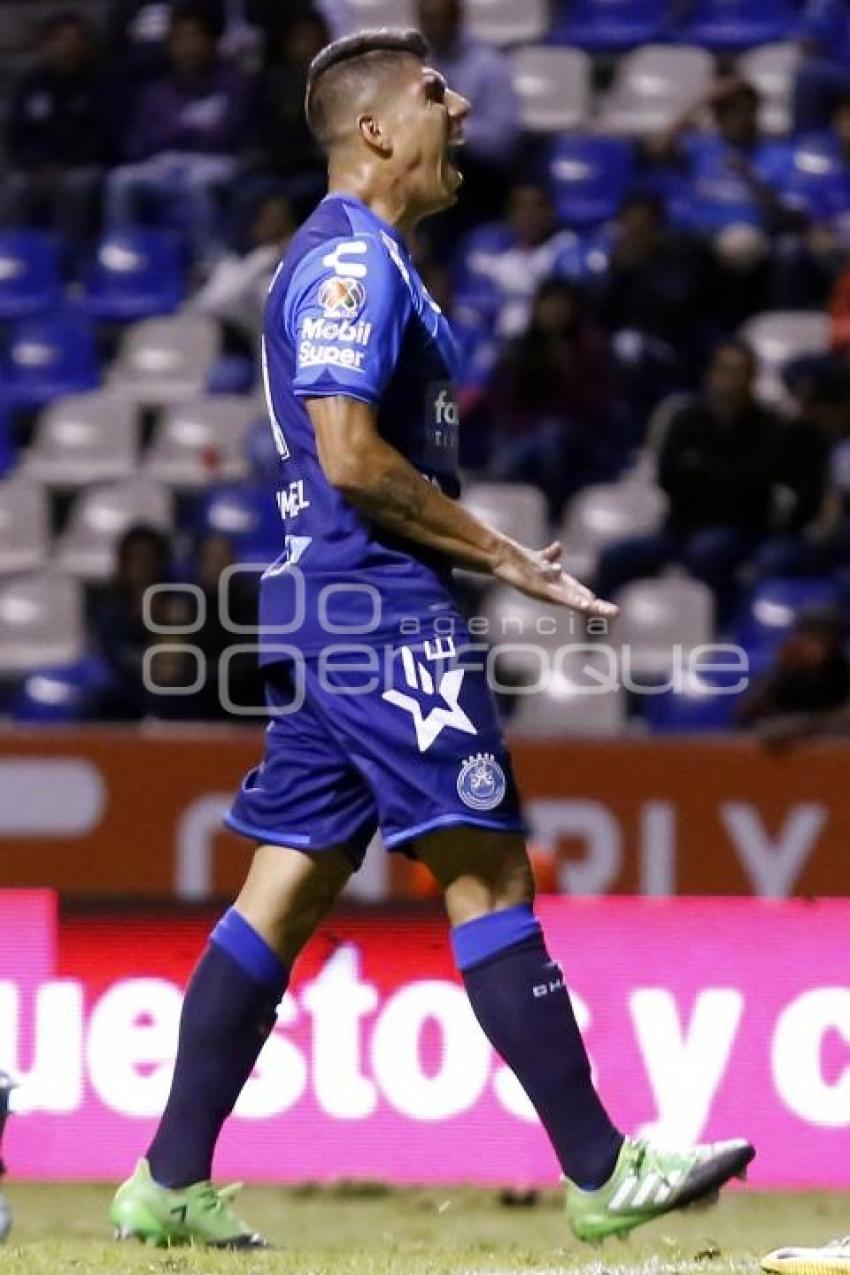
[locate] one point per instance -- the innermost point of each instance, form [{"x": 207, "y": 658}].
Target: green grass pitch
[{"x": 61, "y": 1230}]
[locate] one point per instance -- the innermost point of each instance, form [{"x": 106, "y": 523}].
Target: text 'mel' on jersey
[{"x": 348, "y": 315}]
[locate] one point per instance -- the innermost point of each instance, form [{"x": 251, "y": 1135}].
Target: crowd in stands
[{"x": 606, "y": 286}]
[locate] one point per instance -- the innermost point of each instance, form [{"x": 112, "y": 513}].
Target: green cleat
[
  {"x": 648, "y": 1181},
  {"x": 198, "y": 1214}
]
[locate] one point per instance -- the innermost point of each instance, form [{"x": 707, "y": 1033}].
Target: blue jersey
[{"x": 347, "y": 314}]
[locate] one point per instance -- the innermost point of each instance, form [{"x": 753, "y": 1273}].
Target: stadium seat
[
  {"x": 727, "y": 25},
  {"x": 84, "y": 438},
  {"x": 778, "y": 336},
  {"x": 516, "y": 509},
  {"x": 658, "y": 615},
  {"x": 527, "y": 631},
  {"x": 652, "y": 87},
  {"x": 61, "y": 693},
  {"x": 163, "y": 361},
  {"x": 774, "y": 606},
  {"x": 136, "y": 274},
  {"x": 381, "y": 13},
  {"x": 49, "y": 356},
  {"x": 589, "y": 177},
  {"x": 602, "y": 514},
  {"x": 24, "y": 525},
  {"x": 30, "y": 279},
  {"x": 771, "y": 69},
  {"x": 41, "y": 622},
  {"x": 583, "y": 696},
  {"x": 100, "y": 517},
  {"x": 201, "y": 442},
  {"x": 505, "y": 21},
  {"x": 611, "y": 26},
  {"x": 704, "y": 703},
  {"x": 247, "y": 515},
  {"x": 553, "y": 86}
]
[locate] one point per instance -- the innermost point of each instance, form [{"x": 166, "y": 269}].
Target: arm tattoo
[{"x": 394, "y": 498}]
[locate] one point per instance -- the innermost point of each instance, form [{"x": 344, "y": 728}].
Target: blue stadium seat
[
  {"x": 818, "y": 178},
  {"x": 589, "y": 177},
  {"x": 700, "y": 705},
  {"x": 774, "y": 606},
  {"x": 611, "y": 26},
  {"x": 231, "y": 374},
  {"x": 49, "y": 356},
  {"x": 729, "y": 25},
  {"x": 30, "y": 280},
  {"x": 61, "y": 693},
  {"x": 246, "y": 513},
  {"x": 136, "y": 274}
]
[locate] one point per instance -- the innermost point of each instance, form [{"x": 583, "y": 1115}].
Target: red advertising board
[
  {"x": 704, "y": 1018},
  {"x": 106, "y": 812}
]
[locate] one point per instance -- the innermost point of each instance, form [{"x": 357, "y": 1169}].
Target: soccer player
[
  {"x": 358, "y": 364},
  {"x": 832, "y": 1259}
]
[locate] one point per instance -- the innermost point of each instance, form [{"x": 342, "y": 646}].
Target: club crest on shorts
[
  {"x": 342, "y": 298},
  {"x": 481, "y": 783}
]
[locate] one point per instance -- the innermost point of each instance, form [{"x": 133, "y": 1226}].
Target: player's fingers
[
  {"x": 580, "y": 598},
  {"x": 553, "y": 552}
]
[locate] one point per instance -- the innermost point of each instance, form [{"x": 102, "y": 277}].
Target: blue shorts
[{"x": 405, "y": 738}]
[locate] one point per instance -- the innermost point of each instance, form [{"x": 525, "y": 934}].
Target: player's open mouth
[{"x": 453, "y": 147}]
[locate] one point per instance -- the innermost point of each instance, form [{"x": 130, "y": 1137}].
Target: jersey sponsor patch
[
  {"x": 481, "y": 783},
  {"x": 342, "y": 297}
]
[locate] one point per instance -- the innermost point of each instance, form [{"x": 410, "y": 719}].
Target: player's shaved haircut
[{"x": 344, "y": 71}]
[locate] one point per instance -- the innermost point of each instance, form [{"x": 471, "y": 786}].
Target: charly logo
[
  {"x": 481, "y": 783},
  {"x": 342, "y": 298}
]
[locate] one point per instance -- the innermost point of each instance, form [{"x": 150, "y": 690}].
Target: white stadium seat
[
  {"x": 24, "y": 525},
  {"x": 553, "y": 86},
  {"x": 652, "y": 86},
  {"x": 507, "y": 21},
  {"x": 656, "y": 615},
  {"x": 100, "y": 517},
  {"x": 201, "y": 442},
  {"x": 605, "y": 513},
  {"x": 583, "y": 696},
  {"x": 381, "y": 13},
  {"x": 84, "y": 438},
  {"x": 771, "y": 69},
  {"x": 778, "y": 336},
  {"x": 165, "y": 360},
  {"x": 516, "y": 509},
  {"x": 41, "y": 622}
]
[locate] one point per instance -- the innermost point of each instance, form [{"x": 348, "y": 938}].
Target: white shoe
[{"x": 832, "y": 1259}]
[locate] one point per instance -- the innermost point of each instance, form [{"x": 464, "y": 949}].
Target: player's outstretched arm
[{"x": 379, "y": 482}]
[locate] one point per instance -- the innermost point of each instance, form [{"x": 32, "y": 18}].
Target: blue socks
[
  {"x": 228, "y": 1012},
  {"x": 519, "y": 998}
]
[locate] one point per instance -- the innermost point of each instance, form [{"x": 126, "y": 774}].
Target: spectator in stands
[
  {"x": 651, "y": 295},
  {"x": 551, "y": 407},
  {"x": 732, "y": 189},
  {"x": 139, "y": 32},
  {"x": 188, "y": 132},
  {"x": 719, "y": 465},
  {"x": 235, "y": 292},
  {"x": 57, "y": 133},
  {"x": 824, "y": 73},
  {"x": 501, "y": 265},
  {"x": 482, "y": 75},
  {"x": 118, "y": 625},
  {"x": 231, "y": 677},
  {"x": 806, "y": 691},
  {"x": 289, "y": 149}
]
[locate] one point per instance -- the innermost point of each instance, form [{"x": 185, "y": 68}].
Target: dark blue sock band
[
  {"x": 478, "y": 940},
  {"x": 249, "y": 950}
]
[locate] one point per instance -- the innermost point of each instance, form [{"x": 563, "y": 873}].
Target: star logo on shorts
[{"x": 429, "y": 725}]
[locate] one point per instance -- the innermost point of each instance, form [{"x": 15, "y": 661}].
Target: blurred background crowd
[{"x": 648, "y": 275}]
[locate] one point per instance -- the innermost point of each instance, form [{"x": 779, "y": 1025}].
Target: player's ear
[{"x": 369, "y": 127}]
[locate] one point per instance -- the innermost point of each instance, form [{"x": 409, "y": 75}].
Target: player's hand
[{"x": 539, "y": 574}]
